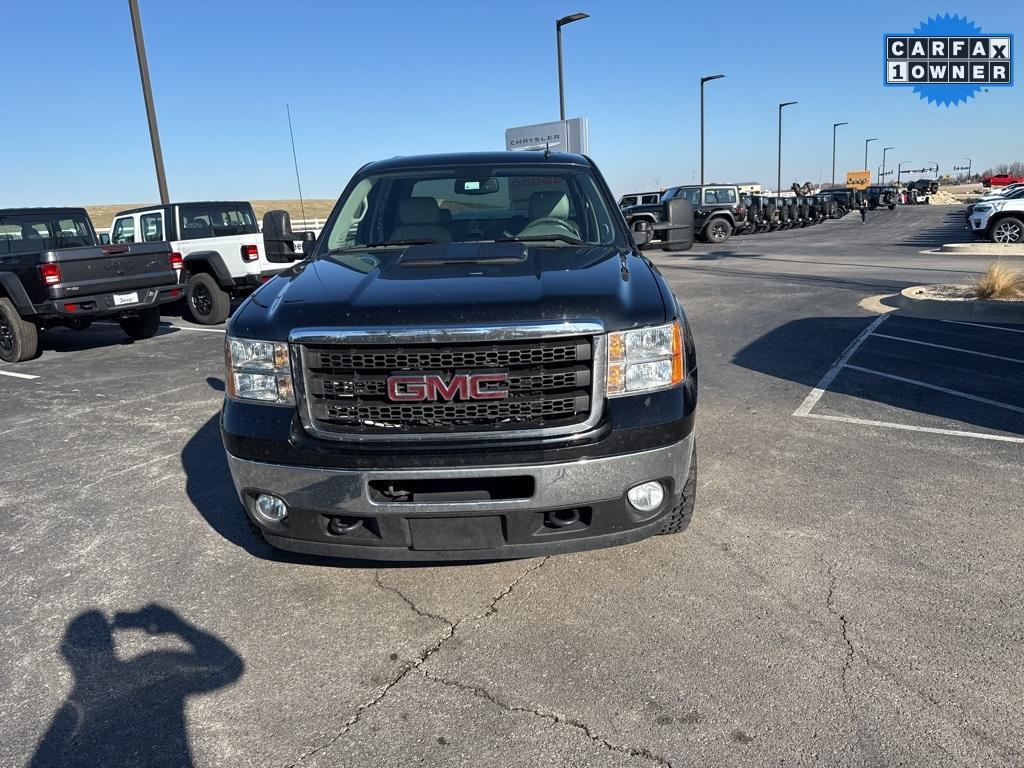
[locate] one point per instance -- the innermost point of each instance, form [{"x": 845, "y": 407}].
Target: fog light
[
  {"x": 646, "y": 497},
  {"x": 271, "y": 508}
]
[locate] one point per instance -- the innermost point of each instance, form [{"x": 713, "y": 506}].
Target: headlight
[
  {"x": 980, "y": 208},
  {"x": 645, "y": 360},
  {"x": 258, "y": 370}
]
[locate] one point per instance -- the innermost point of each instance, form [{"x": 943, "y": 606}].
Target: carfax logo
[{"x": 948, "y": 60}]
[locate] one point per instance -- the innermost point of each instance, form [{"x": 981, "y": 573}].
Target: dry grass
[
  {"x": 103, "y": 215},
  {"x": 999, "y": 282}
]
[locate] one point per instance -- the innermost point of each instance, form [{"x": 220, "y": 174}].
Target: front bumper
[
  {"x": 594, "y": 490},
  {"x": 978, "y": 223}
]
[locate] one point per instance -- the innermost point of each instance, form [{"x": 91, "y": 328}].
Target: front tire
[
  {"x": 718, "y": 231},
  {"x": 19, "y": 339},
  {"x": 1007, "y": 230},
  {"x": 207, "y": 302},
  {"x": 143, "y": 325},
  {"x": 678, "y": 519}
]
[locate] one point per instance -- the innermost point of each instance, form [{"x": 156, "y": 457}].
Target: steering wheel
[{"x": 568, "y": 226}]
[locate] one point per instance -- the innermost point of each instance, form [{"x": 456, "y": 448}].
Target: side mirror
[
  {"x": 679, "y": 234},
  {"x": 104, "y": 238},
  {"x": 279, "y": 242},
  {"x": 643, "y": 233}
]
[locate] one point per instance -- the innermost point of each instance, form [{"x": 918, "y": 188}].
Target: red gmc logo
[{"x": 432, "y": 386}]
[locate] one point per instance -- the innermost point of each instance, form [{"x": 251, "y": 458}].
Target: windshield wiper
[
  {"x": 542, "y": 238},
  {"x": 384, "y": 244}
]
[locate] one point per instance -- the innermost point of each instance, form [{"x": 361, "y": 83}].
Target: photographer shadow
[{"x": 132, "y": 712}]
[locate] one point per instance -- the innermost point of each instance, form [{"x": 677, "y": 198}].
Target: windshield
[
  {"x": 216, "y": 220},
  {"x": 561, "y": 206},
  {"x": 685, "y": 193},
  {"x": 29, "y": 233}
]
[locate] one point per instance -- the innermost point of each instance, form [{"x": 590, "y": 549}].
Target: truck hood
[{"x": 374, "y": 290}]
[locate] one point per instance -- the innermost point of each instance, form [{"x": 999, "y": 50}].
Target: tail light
[
  {"x": 250, "y": 253},
  {"x": 177, "y": 262},
  {"x": 50, "y": 273}
]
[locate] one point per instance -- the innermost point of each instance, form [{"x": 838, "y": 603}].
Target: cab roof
[{"x": 524, "y": 157}]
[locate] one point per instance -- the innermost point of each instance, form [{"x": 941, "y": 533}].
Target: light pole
[
  {"x": 884, "y": 151},
  {"x": 899, "y": 171},
  {"x": 558, "y": 35},
  {"x": 147, "y": 95},
  {"x": 834, "y": 126},
  {"x": 702, "y": 81},
  {"x": 936, "y": 169},
  {"x": 778, "y": 187},
  {"x": 866, "y": 151}
]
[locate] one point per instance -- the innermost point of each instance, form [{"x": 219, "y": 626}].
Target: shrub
[{"x": 999, "y": 282}]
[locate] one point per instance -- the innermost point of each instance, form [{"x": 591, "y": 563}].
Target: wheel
[
  {"x": 19, "y": 339},
  {"x": 207, "y": 303},
  {"x": 892, "y": 207},
  {"x": 718, "y": 230},
  {"x": 143, "y": 325},
  {"x": 678, "y": 519},
  {"x": 1008, "y": 230}
]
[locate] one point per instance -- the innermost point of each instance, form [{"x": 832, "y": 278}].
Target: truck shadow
[
  {"x": 96, "y": 336},
  {"x": 131, "y": 711}
]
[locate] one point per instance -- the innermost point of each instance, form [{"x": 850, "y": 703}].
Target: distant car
[
  {"x": 1000, "y": 180},
  {"x": 1000, "y": 221},
  {"x": 718, "y": 210},
  {"x": 881, "y": 196}
]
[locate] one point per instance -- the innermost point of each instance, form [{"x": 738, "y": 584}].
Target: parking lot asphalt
[{"x": 848, "y": 593}]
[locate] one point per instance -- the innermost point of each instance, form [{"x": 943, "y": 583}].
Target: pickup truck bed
[{"x": 47, "y": 282}]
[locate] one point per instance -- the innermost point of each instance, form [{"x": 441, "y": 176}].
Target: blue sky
[{"x": 371, "y": 80}]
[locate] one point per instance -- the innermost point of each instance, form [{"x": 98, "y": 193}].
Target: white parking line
[
  {"x": 982, "y": 325},
  {"x": 14, "y": 375},
  {"x": 943, "y": 346},
  {"x": 937, "y": 388},
  {"x": 816, "y": 394},
  {"x": 911, "y": 428}
]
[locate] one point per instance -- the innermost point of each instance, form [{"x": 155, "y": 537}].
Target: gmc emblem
[{"x": 432, "y": 387}]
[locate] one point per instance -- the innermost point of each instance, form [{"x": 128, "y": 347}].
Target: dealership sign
[
  {"x": 858, "y": 179},
  {"x": 947, "y": 60},
  {"x": 561, "y": 136}
]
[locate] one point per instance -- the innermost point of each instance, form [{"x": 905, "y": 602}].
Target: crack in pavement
[
  {"x": 843, "y": 625},
  {"x": 451, "y": 629},
  {"x": 579, "y": 725}
]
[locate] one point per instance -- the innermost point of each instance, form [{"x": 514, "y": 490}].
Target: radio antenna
[{"x": 295, "y": 159}]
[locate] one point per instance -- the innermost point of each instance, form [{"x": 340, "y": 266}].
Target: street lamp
[
  {"x": 147, "y": 95},
  {"x": 884, "y": 151},
  {"x": 702, "y": 81},
  {"x": 558, "y": 35},
  {"x": 778, "y": 188},
  {"x": 834, "y": 126},
  {"x": 899, "y": 171},
  {"x": 866, "y": 151}
]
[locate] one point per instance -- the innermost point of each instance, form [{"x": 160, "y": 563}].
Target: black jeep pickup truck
[
  {"x": 718, "y": 210},
  {"x": 474, "y": 361},
  {"x": 53, "y": 273}
]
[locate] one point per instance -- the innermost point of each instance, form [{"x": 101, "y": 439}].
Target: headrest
[
  {"x": 545, "y": 204},
  {"x": 419, "y": 210}
]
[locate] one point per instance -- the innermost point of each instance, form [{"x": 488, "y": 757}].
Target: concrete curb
[
  {"x": 983, "y": 249},
  {"x": 967, "y": 310}
]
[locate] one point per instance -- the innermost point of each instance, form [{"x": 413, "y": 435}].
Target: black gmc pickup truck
[
  {"x": 475, "y": 361},
  {"x": 53, "y": 273}
]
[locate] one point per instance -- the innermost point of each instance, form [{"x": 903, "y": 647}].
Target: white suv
[{"x": 1001, "y": 221}]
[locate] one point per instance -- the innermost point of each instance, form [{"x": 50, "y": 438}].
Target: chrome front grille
[{"x": 551, "y": 382}]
